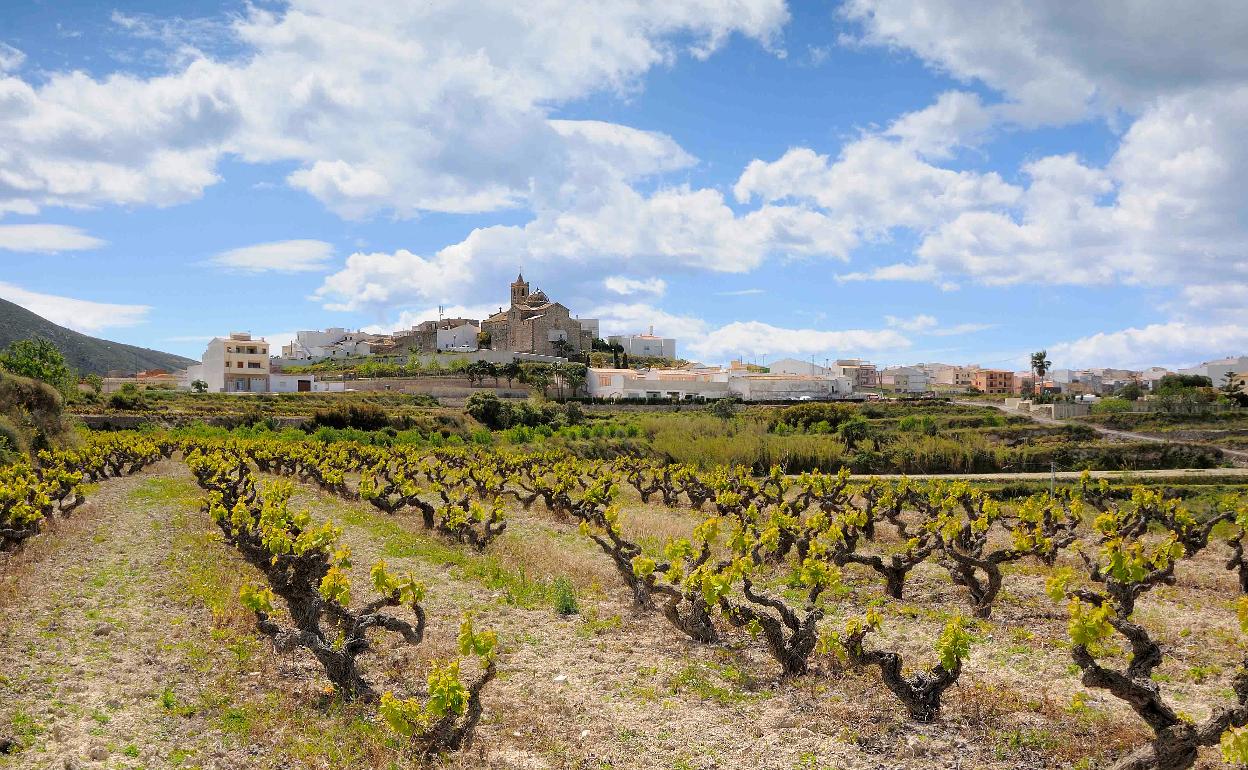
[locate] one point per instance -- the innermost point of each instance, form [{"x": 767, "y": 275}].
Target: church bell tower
[{"x": 519, "y": 290}]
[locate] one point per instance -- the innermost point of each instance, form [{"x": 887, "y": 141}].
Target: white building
[
  {"x": 302, "y": 383},
  {"x": 1216, "y": 371},
  {"x": 710, "y": 384},
  {"x": 905, "y": 379},
  {"x": 674, "y": 384},
  {"x": 234, "y": 364},
  {"x": 637, "y": 345},
  {"x": 795, "y": 366},
  {"x": 336, "y": 342},
  {"x": 458, "y": 337}
]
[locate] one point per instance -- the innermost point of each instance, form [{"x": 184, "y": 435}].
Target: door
[{"x": 305, "y": 386}]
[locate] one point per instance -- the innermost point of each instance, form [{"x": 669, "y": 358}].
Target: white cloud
[
  {"x": 619, "y": 284},
  {"x": 1055, "y": 59},
  {"x": 740, "y": 293},
  {"x": 874, "y": 185},
  {"x": 696, "y": 338},
  {"x": 277, "y": 341},
  {"x": 46, "y": 238},
  {"x": 918, "y": 323},
  {"x": 956, "y": 118},
  {"x": 1171, "y": 344},
  {"x": 928, "y": 325},
  {"x": 1166, "y": 210},
  {"x": 632, "y": 318},
  {"x": 10, "y": 58},
  {"x": 381, "y": 107},
  {"x": 78, "y": 314},
  {"x": 895, "y": 272},
  {"x": 755, "y": 338},
  {"x": 670, "y": 228},
  {"x": 296, "y": 256}
]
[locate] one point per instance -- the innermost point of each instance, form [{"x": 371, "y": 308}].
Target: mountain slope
[{"x": 89, "y": 355}]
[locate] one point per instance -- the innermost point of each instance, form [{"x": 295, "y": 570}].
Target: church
[{"x": 535, "y": 324}]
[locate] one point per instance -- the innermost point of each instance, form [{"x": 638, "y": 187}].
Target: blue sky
[{"x": 907, "y": 182}]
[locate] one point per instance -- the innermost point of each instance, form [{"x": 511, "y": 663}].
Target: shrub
[
  {"x": 564, "y": 596},
  {"x": 358, "y": 416},
  {"x": 129, "y": 398},
  {"x": 804, "y": 416}
]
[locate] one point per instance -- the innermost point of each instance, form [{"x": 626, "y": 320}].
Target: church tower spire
[{"x": 519, "y": 290}]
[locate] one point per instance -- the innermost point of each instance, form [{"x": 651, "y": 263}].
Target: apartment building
[
  {"x": 953, "y": 375},
  {"x": 861, "y": 373},
  {"x": 994, "y": 381},
  {"x": 905, "y": 379},
  {"x": 234, "y": 364}
]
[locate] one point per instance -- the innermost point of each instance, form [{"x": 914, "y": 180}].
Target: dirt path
[
  {"x": 1239, "y": 456},
  {"x": 115, "y": 654},
  {"x": 85, "y": 640}
]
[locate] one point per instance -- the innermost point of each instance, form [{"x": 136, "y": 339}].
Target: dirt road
[{"x": 1237, "y": 456}]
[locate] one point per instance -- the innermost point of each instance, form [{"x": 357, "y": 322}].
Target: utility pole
[{"x": 1052, "y": 478}]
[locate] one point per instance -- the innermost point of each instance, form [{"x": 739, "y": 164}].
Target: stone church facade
[{"x": 535, "y": 324}]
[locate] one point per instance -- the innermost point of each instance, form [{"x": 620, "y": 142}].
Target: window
[
  {"x": 239, "y": 364},
  {"x": 604, "y": 380},
  {"x": 253, "y": 365}
]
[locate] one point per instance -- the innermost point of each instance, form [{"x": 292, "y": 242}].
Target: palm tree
[{"x": 1040, "y": 364}]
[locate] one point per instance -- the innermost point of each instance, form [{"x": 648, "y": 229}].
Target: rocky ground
[{"x": 124, "y": 646}]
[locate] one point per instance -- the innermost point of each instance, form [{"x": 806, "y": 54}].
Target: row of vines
[{"x": 766, "y": 560}]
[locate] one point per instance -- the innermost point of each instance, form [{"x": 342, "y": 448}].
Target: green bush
[
  {"x": 803, "y": 417},
  {"x": 129, "y": 398},
  {"x": 563, "y": 593},
  {"x": 364, "y": 417}
]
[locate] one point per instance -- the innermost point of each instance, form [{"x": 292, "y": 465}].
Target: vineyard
[{"x": 350, "y": 605}]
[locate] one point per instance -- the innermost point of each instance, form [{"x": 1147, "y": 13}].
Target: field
[{"x": 129, "y": 645}]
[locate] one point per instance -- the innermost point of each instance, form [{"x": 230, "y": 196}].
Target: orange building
[{"x": 994, "y": 381}]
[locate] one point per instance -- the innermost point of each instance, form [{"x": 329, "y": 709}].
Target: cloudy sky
[{"x": 909, "y": 181}]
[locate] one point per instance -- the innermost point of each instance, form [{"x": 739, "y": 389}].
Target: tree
[
  {"x": 1230, "y": 384},
  {"x": 562, "y": 348},
  {"x": 487, "y": 409},
  {"x": 724, "y": 408},
  {"x": 38, "y": 359},
  {"x": 574, "y": 375},
  {"x": 483, "y": 340},
  {"x": 510, "y": 370},
  {"x": 95, "y": 382},
  {"x": 199, "y": 386},
  {"x": 1040, "y": 364},
  {"x": 853, "y": 431},
  {"x": 537, "y": 375},
  {"x": 616, "y": 350},
  {"x": 1131, "y": 391}
]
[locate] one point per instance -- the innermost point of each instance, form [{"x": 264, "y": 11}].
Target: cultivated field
[{"x": 128, "y": 646}]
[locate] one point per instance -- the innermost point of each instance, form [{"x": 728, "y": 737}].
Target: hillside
[{"x": 88, "y": 355}]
